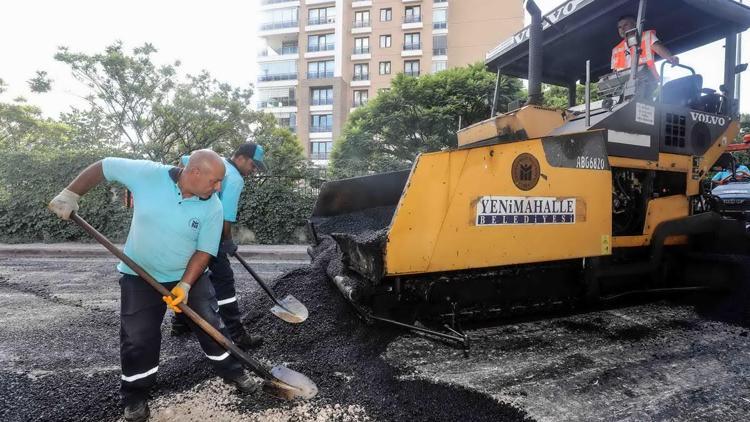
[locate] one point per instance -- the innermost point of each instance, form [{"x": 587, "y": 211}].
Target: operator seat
[{"x": 682, "y": 91}]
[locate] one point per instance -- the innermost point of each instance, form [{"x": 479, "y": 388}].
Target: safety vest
[{"x": 621, "y": 55}]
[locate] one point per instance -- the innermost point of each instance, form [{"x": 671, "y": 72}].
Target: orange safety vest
[{"x": 621, "y": 55}]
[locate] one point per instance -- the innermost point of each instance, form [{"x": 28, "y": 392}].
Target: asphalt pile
[{"x": 342, "y": 355}]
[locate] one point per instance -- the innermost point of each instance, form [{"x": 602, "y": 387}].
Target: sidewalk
[{"x": 254, "y": 252}]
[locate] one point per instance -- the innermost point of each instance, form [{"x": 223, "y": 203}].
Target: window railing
[
  {"x": 440, "y": 1},
  {"x": 321, "y": 20},
  {"x": 412, "y": 18},
  {"x": 439, "y": 25},
  {"x": 359, "y": 103},
  {"x": 412, "y": 46},
  {"x": 362, "y": 23},
  {"x": 321, "y": 101},
  {"x": 319, "y": 155},
  {"x": 361, "y": 50},
  {"x": 320, "y": 47},
  {"x": 277, "y": 77},
  {"x": 361, "y": 77},
  {"x": 278, "y": 25},
  {"x": 284, "y": 51},
  {"x": 411, "y": 73},
  {"x": 277, "y": 102},
  {"x": 319, "y": 75},
  {"x": 439, "y": 51},
  {"x": 318, "y": 129}
]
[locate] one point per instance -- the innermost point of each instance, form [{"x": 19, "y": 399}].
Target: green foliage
[
  {"x": 29, "y": 180},
  {"x": 22, "y": 127},
  {"x": 557, "y": 96},
  {"x": 40, "y": 83},
  {"x": 274, "y": 207},
  {"x": 417, "y": 115}
]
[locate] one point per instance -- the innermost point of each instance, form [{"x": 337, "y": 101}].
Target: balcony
[
  {"x": 439, "y": 51},
  {"x": 414, "y": 73},
  {"x": 412, "y": 18},
  {"x": 320, "y": 129},
  {"x": 412, "y": 46},
  {"x": 439, "y": 25},
  {"x": 411, "y": 50},
  {"x": 361, "y": 24},
  {"x": 278, "y": 103},
  {"x": 321, "y": 101},
  {"x": 277, "y": 77},
  {"x": 320, "y": 47},
  {"x": 278, "y": 4},
  {"x": 361, "y": 77},
  {"x": 361, "y": 3},
  {"x": 319, "y": 75},
  {"x": 361, "y": 50},
  {"x": 361, "y": 27},
  {"x": 273, "y": 28},
  {"x": 286, "y": 53},
  {"x": 267, "y": 2},
  {"x": 321, "y": 20}
]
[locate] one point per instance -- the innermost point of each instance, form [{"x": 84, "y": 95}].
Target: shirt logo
[{"x": 194, "y": 223}]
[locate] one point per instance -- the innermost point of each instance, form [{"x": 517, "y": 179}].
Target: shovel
[
  {"x": 279, "y": 381},
  {"x": 288, "y": 309}
]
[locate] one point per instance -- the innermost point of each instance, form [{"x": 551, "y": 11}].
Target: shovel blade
[
  {"x": 291, "y": 310},
  {"x": 289, "y": 385}
]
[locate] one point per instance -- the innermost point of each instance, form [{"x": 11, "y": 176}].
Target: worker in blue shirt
[
  {"x": 175, "y": 230},
  {"x": 247, "y": 158},
  {"x": 742, "y": 173}
]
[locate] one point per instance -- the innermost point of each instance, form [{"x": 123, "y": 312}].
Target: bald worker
[{"x": 176, "y": 229}]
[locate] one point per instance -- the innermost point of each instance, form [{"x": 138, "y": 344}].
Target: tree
[
  {"x": 417, "y": 115},
  {"x": 557, "y": 96},
  {"x": 40, "y": 83},
  {"x": 22, "y": 127}
]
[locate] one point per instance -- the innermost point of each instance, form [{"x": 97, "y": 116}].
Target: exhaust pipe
[{"x": 535, "y": 53}]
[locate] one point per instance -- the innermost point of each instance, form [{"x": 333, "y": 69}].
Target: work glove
[
  {"x": 64, "y": 203},
  {"x": 179, "y": 295},
  {"x": 228, "y": 247}
]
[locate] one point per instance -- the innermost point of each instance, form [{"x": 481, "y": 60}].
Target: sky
[{"x": 219, "y": 36}]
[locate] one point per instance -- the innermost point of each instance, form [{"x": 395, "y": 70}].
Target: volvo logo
[{"x": 708, "y": 119}]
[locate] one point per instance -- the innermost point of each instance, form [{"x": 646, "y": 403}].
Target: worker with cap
[
  {"x": 650, "y": 44},
  {"x": 247, "y": 159},
  {"x": 175, "y": 230}
]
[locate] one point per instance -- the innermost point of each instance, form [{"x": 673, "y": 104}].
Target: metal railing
[
  {"x": 321, "y": 20},
  {"x": 440, "y": 1},
  {"x": 265, "y": 2},
  {"x": 277, "y": 102},
  {"x": 284, "y": 51},
  {"x": 319, "y": 155},
  {"x": 321, "y": 101},
  {"x": 319, "y": 75},
  {"x": 439, "y": 51},
  {"x": 439, "y": 25},
  {"x": 412, "y": 46},
  {"x": 277, "y": 77},
  {"x": 412, "y": 73},
  {"x": 278, "y": 25},
  {"x": 361, "y": 77},
  {"x": 362, "y": 24},
  {"x": 320, "y": 47},
  {"x": 318, "y": 129},
  {"x": 361, "y": 50},
  {"x": 359, "y": 103},
  {"x": 412, "y": 18}
]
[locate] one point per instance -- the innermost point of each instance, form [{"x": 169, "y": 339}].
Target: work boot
[
  {"x": 245, "y": 383},
  {"x": 248, "y": 341},
  {"x": 137, "y": 411},
  {"x": 179, "y": 328}
]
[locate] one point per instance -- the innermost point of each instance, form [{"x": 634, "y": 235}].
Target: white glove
[{"x": 64, "y": 203}]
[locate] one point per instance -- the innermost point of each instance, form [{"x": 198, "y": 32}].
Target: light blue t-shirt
[
  {"x": 726, "y": 173},
  {"x": 166, "y": 229},
  {"x": 231, "y": 188}
]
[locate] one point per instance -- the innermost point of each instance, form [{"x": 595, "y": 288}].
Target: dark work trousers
[
  {"x": 222, "y": 279},
  {"x": 142, "y": 311}
]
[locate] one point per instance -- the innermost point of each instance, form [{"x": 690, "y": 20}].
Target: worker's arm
[
  {"x": 664, "y": 53},
  {"x": 67, "y": 200},
  {"x": 195, "y": 268}
]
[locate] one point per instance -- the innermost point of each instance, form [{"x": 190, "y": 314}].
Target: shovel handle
[
  {"x": 258, "y": 279},
  {"x": 251, "y": 363}
]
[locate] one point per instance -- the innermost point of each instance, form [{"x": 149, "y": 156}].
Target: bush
[{"x": 29, "y": 180}]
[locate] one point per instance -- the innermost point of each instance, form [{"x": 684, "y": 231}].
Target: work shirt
[
  {"x": 742, "y": 171},
  {"x": 166, "y": 229},
  {"x": 231, "y": 188},
  {"x": 621, "y": 54}
]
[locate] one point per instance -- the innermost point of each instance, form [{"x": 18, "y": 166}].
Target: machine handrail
[{"x": 661, "y": 75}]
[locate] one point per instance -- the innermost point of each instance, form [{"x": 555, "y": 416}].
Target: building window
[
  {"x": 411, "y": 67},
  {"x": 439, "y": 65},
  {"x": 320, "y": 70},
  {"x": 321, "y": 96},
  {"x": 277, "y": 97},
  {"x": 413, "y": 14},
  {"x": 386, "y": 15},
  {"x": 439, "y": 45},
  {"x": 278, "y": 71},
  {"x": 440, "y": 18},
  {"x": 385, "y": 41},
  {"x": 385, "y": 68},
  {"x": 321, "y": 16},
  {"x": 412, "y": 41},
  {"x": 362, "y": 45},
  {"x": 320, "y": 150},
  {"x": 280, "y": 18},
  {"x": 362, "y": 72},
  {"x": 362, "y": 19},
  {"x": 323, "y": 42},
  {"x": 321, "y": 122},
  {"x": 360, "y": 97},
  {"x": 288, "y": 120}
]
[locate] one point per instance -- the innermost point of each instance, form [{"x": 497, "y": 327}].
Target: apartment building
[{"x": 324, "y": 58}]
